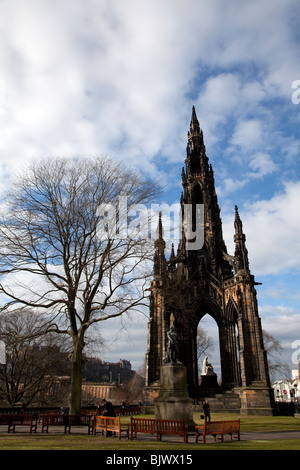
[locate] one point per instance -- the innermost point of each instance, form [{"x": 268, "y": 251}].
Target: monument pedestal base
[
  {"x": 256, "y": 400},
  {"x": 209, "y": 385},
  {"x": 173, "y": 401}
]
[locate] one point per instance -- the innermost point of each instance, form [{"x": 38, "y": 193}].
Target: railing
[{"x": 41, "y": 410}]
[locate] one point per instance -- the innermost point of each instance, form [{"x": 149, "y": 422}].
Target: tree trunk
[{"x": 76, "y": 381}]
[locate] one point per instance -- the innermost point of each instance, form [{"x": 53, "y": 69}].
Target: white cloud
[
  {"x": 229, "y": 96},
  {"x": 262, "y": 163},
  {"x": 281, "y": 321},
  {"x": 248, "y": 135},
  {"x": 89, "y": 77},
  {"x": 272, "y": 232},
  {"x": 119, "y": 77}
]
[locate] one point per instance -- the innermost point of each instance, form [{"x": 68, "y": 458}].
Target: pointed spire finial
[
  {"x": 196, "y": 160},
  {"x": 172, "y": 255},
  {"x": 194, "y": 125},
  {"x": 237, "y": 222},
  {"x": 160, "y": 227},
  {"x": 159, "y": 256},
  {"x": 241, "y": 253}
]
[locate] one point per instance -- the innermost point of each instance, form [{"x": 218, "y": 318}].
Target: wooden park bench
[
  {"x": 217, "y": 428},
  {"x": 173, "y": 427},
  {"x": 13, "y": 420},
  {"x": 67, "y": 422},
  {"x": 51, "y": 420},
  {"x": 109, "y": 424},
  {"x": 158, "y": 427},
  {"x": 48, "y": 413},
  {"x": 5, "y": 419},
  {"x": 81, "y": 420}
]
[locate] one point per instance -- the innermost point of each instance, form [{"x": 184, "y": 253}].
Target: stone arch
[
  {"x": 231, "y": 311},
  {"x": 230, "y": 346},
  {"x": 187, "y": 331},
  {"x": 226, "y": 322},
  {"x": 198, "y": 192}
]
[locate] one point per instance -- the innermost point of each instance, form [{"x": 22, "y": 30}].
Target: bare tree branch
[{"x": 51, "y": 256}]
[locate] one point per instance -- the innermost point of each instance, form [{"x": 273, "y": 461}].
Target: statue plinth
[
  {"x": 173, "y": 401},
  {"x": 209, "y": 385}
]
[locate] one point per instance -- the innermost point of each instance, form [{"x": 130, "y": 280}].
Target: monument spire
[
  {"x": 194, "y": 125},
  {"x": 241, "y": 252},
  {"x": 196, "y": 159},
  {"x": 160, "y": 263}
]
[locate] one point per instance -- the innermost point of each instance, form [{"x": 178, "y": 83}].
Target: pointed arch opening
[
  {"x": 231, "y": 346},
  {"x": 208, "y": 345}
]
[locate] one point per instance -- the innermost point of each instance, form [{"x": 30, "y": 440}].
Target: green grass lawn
[{"x": 25, "y": 441}]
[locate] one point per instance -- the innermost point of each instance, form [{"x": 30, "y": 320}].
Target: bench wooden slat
[
  {"x": 158, "y": 427},
  {"x": 231, "y": 428},
  {"x": 145, "y": 425},
  {"x": 51, "y": 420},
  {"x": 216, "y": 428},
  {"x": 78, "y": 420},
  {"x": 107, "y": 424},
  {"x": 67, "y": 421},
  {"x": 13, "y": 420}
]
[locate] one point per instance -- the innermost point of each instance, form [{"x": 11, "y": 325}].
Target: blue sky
[{"x": 120, "y": 77}]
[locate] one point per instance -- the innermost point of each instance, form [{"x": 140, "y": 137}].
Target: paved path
[
  {"x": 266, "y": 436},
  {"x": 245, "y": 436}
]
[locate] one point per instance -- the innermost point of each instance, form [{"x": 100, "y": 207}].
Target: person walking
[{"x": 206, "y": 409}]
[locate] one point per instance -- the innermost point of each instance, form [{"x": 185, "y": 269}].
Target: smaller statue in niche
[{"x": 207, "y": 368}]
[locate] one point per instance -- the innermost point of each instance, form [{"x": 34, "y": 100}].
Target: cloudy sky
[{"x": 120, "y": 77}]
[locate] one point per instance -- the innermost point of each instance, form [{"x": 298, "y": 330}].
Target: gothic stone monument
[{"x": 208, "y": 280}]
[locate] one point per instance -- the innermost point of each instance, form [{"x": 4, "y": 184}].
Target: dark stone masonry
[{"x": 207, "y": 280}]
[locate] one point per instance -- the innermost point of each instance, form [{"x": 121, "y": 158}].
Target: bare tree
[
  {"x": 31, "y": 365},
  {"x": 274, "y": 350},
  {"x": 205, "y": 343},
  {"x": 63, "y": 257},
  {"x": 131, "y": 390}
]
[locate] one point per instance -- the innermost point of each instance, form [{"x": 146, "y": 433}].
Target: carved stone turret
[
  {"x": 160, "y": 263},
  {"x": 241, "y": 253}
]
